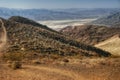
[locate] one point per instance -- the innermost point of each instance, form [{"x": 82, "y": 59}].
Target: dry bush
[
  {"x": 54, "y": 57},
  {"x": 13, "y": 60},
  {"x": 15, "y": 65},
  {"x": 65, "y": 60},
  {"x": 36, "y": 62},
  {"x": 12, "y": 56}
]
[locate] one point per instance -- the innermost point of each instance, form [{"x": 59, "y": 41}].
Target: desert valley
[{"x": 60, "y": 44}]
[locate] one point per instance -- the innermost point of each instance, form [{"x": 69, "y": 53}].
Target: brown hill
[
  {"x": 29, "y": 38},
  {"x": 112, "y": 45},
  {"x": 90, "y": 34},
  {"x": 23, "y": 20}
]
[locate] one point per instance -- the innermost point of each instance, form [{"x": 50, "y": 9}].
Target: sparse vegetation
[
  {"x": 13, "y": 60},
  {"x": 92, "y": 68},
  {"x": 90, "y": 34},
  {"x": 12, "y": 56},
  {"x": 59, "y": 57},
  {"x": 65, "y": 60},
  {"x": 25, "y": 37},
  {"x": 36, "y": 62},
  {"x": 15, "y": 65}
]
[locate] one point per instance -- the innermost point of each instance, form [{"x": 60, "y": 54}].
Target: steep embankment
[{"x": 31, "y": 37}]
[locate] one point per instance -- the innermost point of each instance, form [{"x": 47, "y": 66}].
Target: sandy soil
[
  {"x": 111, "y": 45},
  {"x": 87, "y": 69}
]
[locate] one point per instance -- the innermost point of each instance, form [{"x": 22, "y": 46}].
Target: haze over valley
[{"x": 60, "y": 18}]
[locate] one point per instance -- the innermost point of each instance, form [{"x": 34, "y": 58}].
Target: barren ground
[
  {"x": 77, "y": 69},
  {"x": 111, "y": 45}
]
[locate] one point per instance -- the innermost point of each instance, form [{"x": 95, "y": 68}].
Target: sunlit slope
[{"x": 112, "y": 45}]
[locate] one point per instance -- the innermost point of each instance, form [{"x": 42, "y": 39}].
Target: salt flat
[{"x": 59, "y": 24}]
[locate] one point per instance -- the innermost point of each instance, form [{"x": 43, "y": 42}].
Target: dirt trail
[{"x": 3, "y": 36}]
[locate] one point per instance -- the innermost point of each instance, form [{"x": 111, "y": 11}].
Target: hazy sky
[{"x": 49, "y": 4}]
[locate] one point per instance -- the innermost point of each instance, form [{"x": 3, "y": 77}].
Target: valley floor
[
  {"x": 59, "y": 24},
  {"x": 84, "y": 69}
]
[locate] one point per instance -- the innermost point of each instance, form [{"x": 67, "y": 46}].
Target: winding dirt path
[{"x": 3, "y": 36}]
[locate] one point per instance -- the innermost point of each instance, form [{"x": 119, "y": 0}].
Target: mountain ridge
[
  {"x": 112, "y": 20},
  {"x": 56, "y": 14},
  {"x": 25, "y": 37},
  {"x": 90, "y": 34}
]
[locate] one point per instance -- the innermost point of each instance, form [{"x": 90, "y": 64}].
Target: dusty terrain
[
  {"x": 112, "y": 45},
  {"x": 75, "y": 69},
  {"x": 59, "y": 57}
]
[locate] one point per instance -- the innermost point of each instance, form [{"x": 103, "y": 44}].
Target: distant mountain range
[
  {"x": 56, "y": 14},
  {"x": 25, "y": 35},
  {"x": 112, "y": 20}
]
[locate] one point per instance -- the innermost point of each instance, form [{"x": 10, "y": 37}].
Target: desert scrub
[
  {"x": 36, "y": 62},
  {"x": 15, "y": 65},
  {"x": 12, "y": 56},
  {"x": 65, "y": 60}
]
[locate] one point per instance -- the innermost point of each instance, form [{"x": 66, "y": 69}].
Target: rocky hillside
[
  {"x": 90, "y": 34},
  {"x": 112, "y": 20},
  {"x": 23, "y": 20},
  {"x": 30, "y": 38}
]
